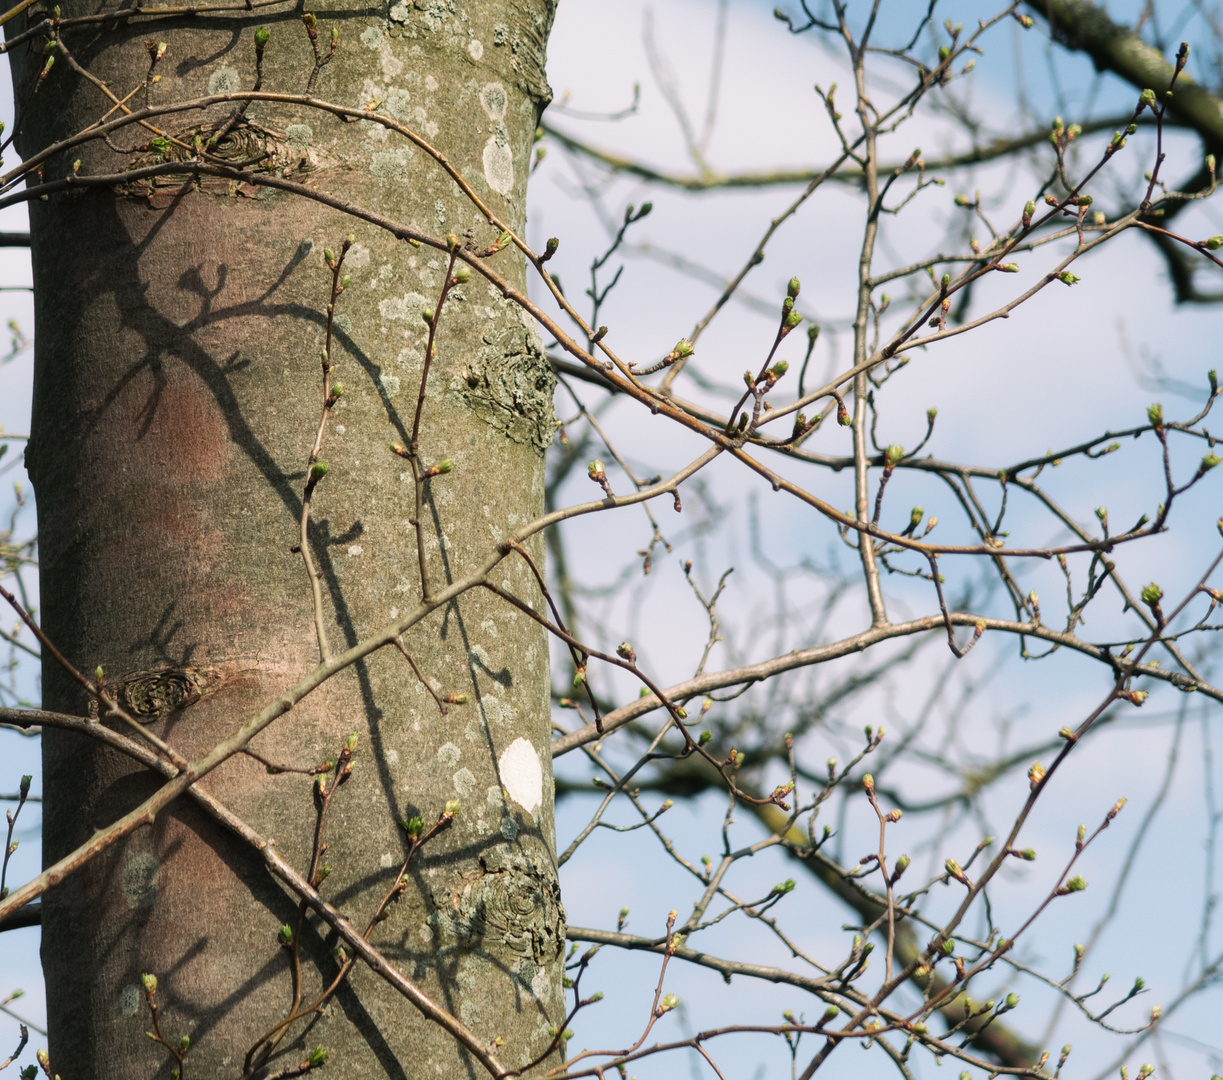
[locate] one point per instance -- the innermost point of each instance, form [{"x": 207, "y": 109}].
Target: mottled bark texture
[{"x": 177, "y": 392}]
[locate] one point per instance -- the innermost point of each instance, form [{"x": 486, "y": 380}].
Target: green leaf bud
[
  {"x": 329, "y": 255},
  {"x": 1076, "y": 884},
  {"x": 792, "y": 288},
  {"x": 1009, "y": 268},
  {"x": 318, "y": 470},
  {"x": 705, "y": 737},
  {"x": 285, "y": 937},
  {"x": 1152, "y": 594},
  {"x": 184, "y": 1044},
  {"x": 1067, "y": 278},
  {"x": 1012, "y": 1000},
  {"x": 427, "y": 315},
  {"x": 445, "y": 465},
  {"x": 150, "y": 983},
  {"x": 1210, "y": 461},
  {"x": 1155, "y": 414},
  {"x": 1147, "y": 100},
  {"x": 318, "y": 1056},
  {"x": 462, "y": 275}
]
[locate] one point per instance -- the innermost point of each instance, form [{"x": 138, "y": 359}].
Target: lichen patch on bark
[
  {"x": 509, "y": 384},
  {"x": 509, "y": 907}
]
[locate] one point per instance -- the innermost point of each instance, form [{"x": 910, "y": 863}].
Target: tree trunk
[{"x": 177, "y": 395}]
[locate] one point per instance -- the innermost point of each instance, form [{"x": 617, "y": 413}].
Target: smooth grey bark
[{"x": 177, "y": 392}]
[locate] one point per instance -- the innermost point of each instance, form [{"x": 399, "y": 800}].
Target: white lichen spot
[
  {"x": 475, "y": 50},
  {"x": 355, "y": 551},
  {"x": 448, "y": 754},
  {"x": 392, "y": 757},
  {"x": 394, "y": 613},
  {"x": 494, "y": 99},
  {"x": 357, "y": 257},
  {"x": 408, "y": 306},
  {"x": 489, "y": 627},
  {"x": 371, "y": 37},
  {"x": 391, "y": 164},
  {"x": 541, "y": 985},
  {"x": 224, "y": 80},
  {"x": 397, "y": 104},
  {"x": 390, "y": 383},
  {"x": 521, "y": 774},
  {"x": 509, "y": 828},
  {"x": 299, "y": 136},
  {"x": 431, "y": 83},
  {"x": 431, "y": 129},
  {"x": 494, "y": 710},
  {"x": 392, "y": 66},
  {"x": 464, "y": 783},
  {"x": 473, "y": 732},
  {"x": 129, "y": 1000},
  {"x": 426, "y": 934},
  {"x": 400, "y": 12},
  {"x": 386, "y": 861}
]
